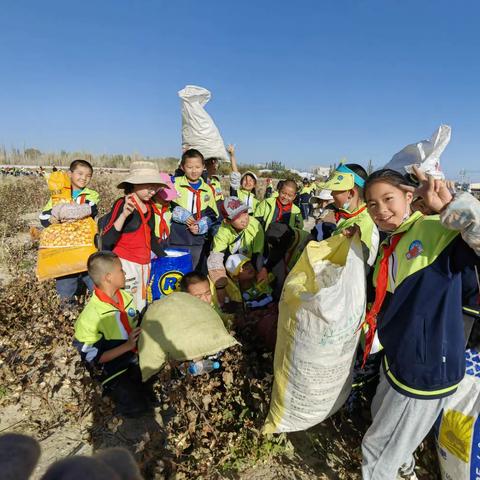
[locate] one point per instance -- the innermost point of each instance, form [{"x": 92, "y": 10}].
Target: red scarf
[
  {"x": 164, "y": 230},
  {"x": 197, "y": 195},
  {"x": 339, "y": 214},
  {"x": 282, "y": 209},
  {"x": 145, "y": 219},
  {"x": 120, "y": 306},
  {"x": 380, "y": 293}
]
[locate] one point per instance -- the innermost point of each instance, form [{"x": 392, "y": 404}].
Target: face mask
[{"x": 346, "y": 206}]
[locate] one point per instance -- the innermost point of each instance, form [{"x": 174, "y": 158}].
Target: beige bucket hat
[{"x": 143, "y": 172}]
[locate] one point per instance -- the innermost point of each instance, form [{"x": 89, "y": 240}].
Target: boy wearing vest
[
  {"x": 304, "y": 196},
  {"x": 281, "y": 209},
  {"x": 346, "y": 185},
  {"x": 106, "y": 334},
  {"x": 195, "y": 196},
  {"x": 80, "y": 173},
  {"x": 243, "y": 185},
  {"x": 211, "y": 164},
  {"x": 417, "y": 311},
  {"x": 129, "y": 229}
]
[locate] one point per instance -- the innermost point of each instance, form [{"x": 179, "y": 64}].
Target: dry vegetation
[{"x": 205, "y": 427}]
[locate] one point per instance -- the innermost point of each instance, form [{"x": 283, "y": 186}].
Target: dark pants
[
  {"x": 71, "y": 285},
  {"x": 305, "y": 209}
]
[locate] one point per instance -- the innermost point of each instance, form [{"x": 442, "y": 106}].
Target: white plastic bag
[
  {"x": 322, "y": 306},
  {"x": 426, "y": 154},
  {"x": 458, "y": 429},
  {"x": 198, "y": 129}
]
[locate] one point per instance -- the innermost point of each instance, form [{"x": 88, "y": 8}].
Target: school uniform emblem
[
  {"x": 131, "y": 312},
  {"x": 206, "y": 197},
  {"x": 414, "y": 250}
]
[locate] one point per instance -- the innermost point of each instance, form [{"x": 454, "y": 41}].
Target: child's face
[
  {"x": 80, "y": 177},
  {"x": 287, "y": 195},
  {"x": 202, "y": 291},
  {"x": 248, "y": 183},
  {"x": 241, "y": 222},
  {"x": 388, "y": 205},
  {"x": 116, "y": 277},
  {"x": 212, "y": 167},
  {"x": 342, "y": 199},
  {"x": 247, "y": 272},
  {"x": 145, "y": 191},
  {"x": 193, "y": 168}
]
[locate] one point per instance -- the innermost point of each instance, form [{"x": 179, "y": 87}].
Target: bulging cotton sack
[
  {"x": 457, "y": 431},
  {"x": 179, "y": 327},
  {"x": 426, "y": 154},
  {"x": 321, "y": 309},
  {"x": 198, "y": 129}
]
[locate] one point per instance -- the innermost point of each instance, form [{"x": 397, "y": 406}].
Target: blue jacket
[{"x": 420, "y": 325}]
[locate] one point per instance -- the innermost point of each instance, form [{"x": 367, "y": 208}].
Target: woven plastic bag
[
  {"x": 426, "y": 154},
  {"x": 198, "y": 128},
  {"x": 65, "y": 248},
  {"x": 457, "y": 431},
  {"x": 321, "y": 309},
  {"x": 180, "y": 327},
  {"x": 60, "y": 187}
]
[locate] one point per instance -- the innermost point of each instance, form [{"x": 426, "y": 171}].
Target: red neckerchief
[
  {"x": 197, "y": 194},
  {"x": 282, "y": 209},
  {"x": 339, "y": 214},
  {"x": 120, "y": 306},
  {"x": 145, "y": 219},
  {"x": 164, "y": 230},
  {"x": 380, "y": 293}
]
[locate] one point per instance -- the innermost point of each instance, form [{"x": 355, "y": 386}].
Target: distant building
[{"x": 321, "y": 171}]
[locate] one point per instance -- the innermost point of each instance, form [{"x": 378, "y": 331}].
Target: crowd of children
[{"x": 420, "y": 268}]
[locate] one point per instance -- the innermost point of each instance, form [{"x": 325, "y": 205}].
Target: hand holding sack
[{"x": 69, "y": 212}]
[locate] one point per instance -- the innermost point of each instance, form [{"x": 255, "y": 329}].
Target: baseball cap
[
  {"x": 234, "y": 264},
  {"x": 232, "y": 208}
]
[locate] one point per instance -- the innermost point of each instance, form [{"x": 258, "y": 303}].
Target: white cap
[
  {"x": 234, "y": 263},
  {"x": 325, "y": 195}
]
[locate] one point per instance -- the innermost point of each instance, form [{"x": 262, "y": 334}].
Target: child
[
  {"x": 163, "y": 213},
  {"x": 242, "y": 186},
  {"x": 80, "y": 173},
  {"x": 196, "y": 197},
  {"x": 281, "y": 209},
  {"x": 129, "y": 228},
  {"x": 304, "y": 198},
  {"x": 198, "y": 285},
  {"x": 268, "y": 188},
  {"x": 213, "y": 179},
  {"x": 346, "y": 185},
  {"x": 106, "y": 334},
  {"x": 257, "y": 297},
  {"x": 418, "y": 313}
]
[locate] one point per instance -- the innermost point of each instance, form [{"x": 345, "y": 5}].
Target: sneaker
[{"x": 407, "y": 476}]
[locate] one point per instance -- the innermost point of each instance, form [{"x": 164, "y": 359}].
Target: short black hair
[
  {"x": 99, "y": 264},
  {"x": 192, "y": 153},
  {"x": 361, "y": 172},
  {"x": 192, "y": 278},
  {"x": 79, "y": 162},
  {"x": 290, "y": 182},
  {"x": 388, "y": 176}
]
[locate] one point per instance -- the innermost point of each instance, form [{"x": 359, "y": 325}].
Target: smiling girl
[{"x": 417, "y": 312}]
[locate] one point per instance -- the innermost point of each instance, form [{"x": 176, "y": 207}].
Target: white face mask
[{"x": 346, "y": 206}]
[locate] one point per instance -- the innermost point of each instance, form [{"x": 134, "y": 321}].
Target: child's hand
[
  {"x": 128, "y": 206},
  {"x": 231, "y": 149},
  {"x": 351, "y": 231},
  {"x": 434, "y": 192},
  {"x": 133, "y": 337},
  {"x": 190, "y": 221},
  {"x": 262, "y": 275}
]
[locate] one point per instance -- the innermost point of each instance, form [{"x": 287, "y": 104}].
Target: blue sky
[{"x": 305, "y": 82}]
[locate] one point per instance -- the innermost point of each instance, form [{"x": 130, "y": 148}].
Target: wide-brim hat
[
  {"x": 169, "y": 192},
  {"x": 142, "y": 172}
]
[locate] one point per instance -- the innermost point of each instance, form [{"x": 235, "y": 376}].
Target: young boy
[
  {"x": 198, "y": 285},
  {"x": 106, "y": 334},
  {"x": 280, "y": 209},
  {"x": 80, "y": 173},
  {"x": 211, "y": 164},
  {"x": 196, "y": 197}
]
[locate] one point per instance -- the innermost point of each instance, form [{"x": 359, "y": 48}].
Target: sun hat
[
  {"x": 343, "y": 178},
  {"x": 234, "y": 264},
  {"x": 168, "y": 193},
  {"x": 325, "y": 195},
  {"x": 232, "y": 208},
  {"x": 142, "y": 172}
]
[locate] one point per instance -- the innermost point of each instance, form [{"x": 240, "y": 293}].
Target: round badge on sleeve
[{"x": 131, "y": 312}]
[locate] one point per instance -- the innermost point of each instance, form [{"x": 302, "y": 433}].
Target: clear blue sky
[{"x": 304, "y": 82}]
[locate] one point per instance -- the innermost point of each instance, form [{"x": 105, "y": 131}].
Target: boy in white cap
[{"x": 129, "y": 229}]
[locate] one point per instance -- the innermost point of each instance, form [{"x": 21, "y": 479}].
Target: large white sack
[
  {"x": 322, "y": 307},
  {"x": 425, "y": 153},
  {"x": 198, "y": 128}
]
